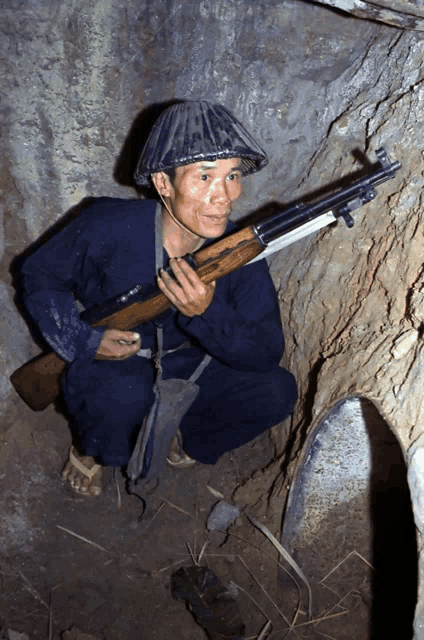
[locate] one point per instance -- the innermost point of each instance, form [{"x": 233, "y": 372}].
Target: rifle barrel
[{"x": 299, "y": 213}]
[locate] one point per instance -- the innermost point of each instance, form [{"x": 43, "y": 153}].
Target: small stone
[
  {"x": 404, "y": 343},
  {"x": 15, "y": 635},
  {"x": 222, "y": 516}
]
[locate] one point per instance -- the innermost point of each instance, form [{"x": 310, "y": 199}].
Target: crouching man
[{"x": 196, "y": 157}]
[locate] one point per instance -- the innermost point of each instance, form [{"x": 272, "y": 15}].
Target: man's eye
[
  {"x": 204, "y": 176},
  {"x": 233, "y": 176}
]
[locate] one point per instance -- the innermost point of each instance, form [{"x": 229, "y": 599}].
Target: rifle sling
[{"x": 173, "y": 398}]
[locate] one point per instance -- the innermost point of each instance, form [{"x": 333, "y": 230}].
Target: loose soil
[
  {"x": 94, "y": 565},
  {"x": 113, "y": 581}
]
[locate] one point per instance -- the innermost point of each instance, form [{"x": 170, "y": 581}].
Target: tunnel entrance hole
[{"x": 349, "y": 525}]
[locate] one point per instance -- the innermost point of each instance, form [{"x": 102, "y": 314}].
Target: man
[{"x": 196, "y": 157}]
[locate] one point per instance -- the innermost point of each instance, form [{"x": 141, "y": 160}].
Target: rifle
[{"x": 38, "y": 381}]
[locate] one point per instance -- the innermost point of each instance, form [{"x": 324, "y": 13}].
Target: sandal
[
  {"x": 177, "y": 456},
  {"x": 87, "y": 472}
]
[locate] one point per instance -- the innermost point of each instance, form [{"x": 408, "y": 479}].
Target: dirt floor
[{"x": 91, "y": 565}]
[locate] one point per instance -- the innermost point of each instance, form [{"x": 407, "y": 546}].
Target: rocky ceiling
[{"x": 407, "y": 14}]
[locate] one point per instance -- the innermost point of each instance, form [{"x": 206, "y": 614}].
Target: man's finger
[
  {"x": 181, "y": 278},
  {"x": 179, "y": 289},
  {"x": 165, "y": 282},
  {"x": 118, "y": 345},
  {"x": 111, "y": 350},
  {"x": 182, "y": 268},
  {"x": 127, "y": 336},
  {"x": 124, "y": 349}
]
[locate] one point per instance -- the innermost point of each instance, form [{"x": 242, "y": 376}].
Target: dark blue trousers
[{"x": 109, "y": 400}]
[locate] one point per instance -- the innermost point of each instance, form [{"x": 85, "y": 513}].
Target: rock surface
[{"x": 406, "y": 14}]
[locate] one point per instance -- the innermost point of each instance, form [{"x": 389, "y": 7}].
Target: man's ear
[{"x": 162, "y": 183}]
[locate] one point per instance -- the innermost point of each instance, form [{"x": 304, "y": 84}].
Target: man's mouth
[{"x": 220, "y": 218}]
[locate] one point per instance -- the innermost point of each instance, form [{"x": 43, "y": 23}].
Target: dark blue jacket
[{"x": 108, "y": 250}]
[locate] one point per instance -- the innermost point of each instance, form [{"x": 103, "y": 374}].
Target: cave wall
[{"x": 313, "y": 85}]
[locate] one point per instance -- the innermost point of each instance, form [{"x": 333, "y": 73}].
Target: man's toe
[
  {"x": 95, "y": 490},
  {"x": 67, "y": 470},
  {"x": 70, "y": 476},
  {"x": 84, "y": 485}
]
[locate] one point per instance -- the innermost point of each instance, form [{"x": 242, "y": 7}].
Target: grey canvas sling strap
[{"x": 173, "y": 398}]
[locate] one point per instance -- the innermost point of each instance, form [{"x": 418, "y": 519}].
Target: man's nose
[{"x": 219, "y": 193}]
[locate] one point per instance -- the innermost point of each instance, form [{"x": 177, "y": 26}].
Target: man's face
[{"x": 202, "y": 194}]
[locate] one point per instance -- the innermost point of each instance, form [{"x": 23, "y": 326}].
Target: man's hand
[
  {"x": 188, "y": 293},
  {"x": 118, "y": 345}
]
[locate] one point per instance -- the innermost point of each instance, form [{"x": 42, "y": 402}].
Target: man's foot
[
  {"x": 177, "y": 457},
  {"x": 83, "y": 474}
]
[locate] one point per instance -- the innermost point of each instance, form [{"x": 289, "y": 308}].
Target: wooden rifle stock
[{"x": 38, "y": 381}]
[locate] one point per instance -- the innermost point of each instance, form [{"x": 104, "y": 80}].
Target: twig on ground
[
  {"x": 255, "y": 546},
  {"x": 322, "y": 619},
  {"x": 286, "y": 556},
  {"x": 352, "y": 553},
  {"x": 296, "y": 613},
  {"x": 51, "y": 610},
  {"x": 143, "y": 529},
  {"x": 193, "y": 558},
  {"x": 174, "y": 506},
  {"x": 214, "y": 492},
  {"x": 304, "y": 624},
  {"x": 264, "y": 631},
  {"x": 315, "y": 621},
  {"x": 32, "y": 590},
  {"x": 118, "y": 491},
  {"x": 328, "y": 613},
  {"x": 108, "y": 562},
  {"x": 199, "y": 559},
  {"x": 174, "y": 564},
  {"x": 72, "y": 533},
  {"x": 236, "y": 468},
  {"x": 35, "y": 612},
  {"x": 252, "y": 599},
  {"x": 324, "y": 635},
  {"x": 267, "y": 594}
]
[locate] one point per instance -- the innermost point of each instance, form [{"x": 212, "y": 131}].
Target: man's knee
[
  {"x": 280, "y": 390},
  {"x": 110, "y": 391},
  {"x": 285, "y": 382}
]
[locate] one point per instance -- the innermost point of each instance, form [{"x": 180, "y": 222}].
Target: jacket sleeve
[
  {"x": 242, "y": 325},
  {"x": 50, "y": 277}
]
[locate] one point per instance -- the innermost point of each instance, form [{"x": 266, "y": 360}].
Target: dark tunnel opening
[
  {"x": 394, "y": 586},
  {"x": 349, "y": 525}
]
